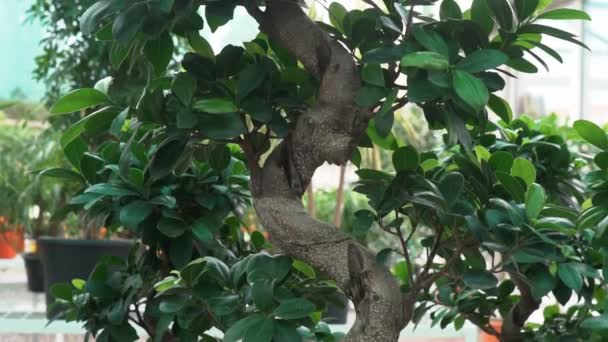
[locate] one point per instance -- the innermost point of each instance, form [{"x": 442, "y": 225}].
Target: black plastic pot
[
  {"x": 33, "y": 269},
  {"x": 66, "y": 259}
]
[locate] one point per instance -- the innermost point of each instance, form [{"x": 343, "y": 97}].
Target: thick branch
[
  {"x": 521, "y": 311},
  {"x": 327, "y": 132}
]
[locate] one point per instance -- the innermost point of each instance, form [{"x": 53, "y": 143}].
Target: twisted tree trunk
[{"x": 327, "y": 132}]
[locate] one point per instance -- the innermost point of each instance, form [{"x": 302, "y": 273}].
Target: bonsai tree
[{"x": 501, "y": 198}]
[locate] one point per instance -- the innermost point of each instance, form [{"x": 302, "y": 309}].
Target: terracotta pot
[
  {"x": 11, "y": 243},
  {"x": 484, "y": 337}
]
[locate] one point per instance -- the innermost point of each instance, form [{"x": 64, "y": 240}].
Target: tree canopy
[{"x": 501, "y": 209}]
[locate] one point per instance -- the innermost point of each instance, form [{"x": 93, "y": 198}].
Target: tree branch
[
  {"x": 521, "y": 311},
  {"x": 326, "y": 132}
]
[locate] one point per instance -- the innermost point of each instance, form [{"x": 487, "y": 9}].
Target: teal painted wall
[{"x": 18, "y": 47}]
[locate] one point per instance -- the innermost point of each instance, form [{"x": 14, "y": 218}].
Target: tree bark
[
  {"x": 327, "y": 132},
  {"x": 521, "y": 311}
]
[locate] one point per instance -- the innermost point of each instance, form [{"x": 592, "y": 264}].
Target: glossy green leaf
[
  {"x": 524, "y": 169},
  {"x": 525, "y": 8},
  {"x": 482, "y": 60},
  {"x": 406, "y": 158},
  {"x": 480, "y": 280},
  {"x": 159, "y": 52},
  {"x": 501, "y": 108},
  {"x": 601, "y": 160},
  {"x": 200, "y": 45},
  {"x": 425, "y": 60},
  {"x": 184, "y": 87},
  {"x": 449, "y": 9},
  {"x": 79, "y": 99},
  {"x": 215, "y": 105},
  {"x": 535, "y": 200},
  {"x": 129, "y": 22},
  {"x": 470, "y": 89},
  {"x": 595, "y": 323},
  {"x": 565, "y": 14},
  {"x": 248, "y": 80},
  {"x": 372, "y": 74},
  {"x": 364, "y": 219},
  {"x": 592, "y": 133},
  {"x": 502, "y": 12},
  {"x": 218, "y": 13},
  {"x": 166, "y": 157},
  {"x": 570, "y": 276},
  {"x": 294, "y": 308}
]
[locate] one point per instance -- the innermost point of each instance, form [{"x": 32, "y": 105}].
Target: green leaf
[
  {"x": 172, "y": 304},
  {"x": 79, "y": 99},
  {"x": 90, "y": 19},
  {"x": 501, "y": 108},
  {"x": 565, "y": 14},
  {"x": 266, "y": 267},
  {"x": 184, "y": 87},
  {"x": 62, "y": 291},
  {"x": 535, "y": 200},
  {"x": 215, "y": 105},
  {"x": 337, "y": 12},
  {"x": 159, "y": 52},
  {"x": 592, "y": 133},
  {"x": 171, "y": 227},
  {"x": 369, "y": 96},
  {"x": 450, "y": 10},
  {"x": 470, "y": 89},
  {"x": 503, "y": 13},
  {"x": 482, "y": 60},
  {"x": 262, "y": 332},
  {"x": 451, "y": 186},
  {"x": 218, "y": 13},
  {"x": 118, "y": 54},
  {"x": 481, "y": 14},
  {"x": 570, "y": 276},
  {"x": 129, "y": 22},
  {"x": 237, "y": 331},
  {"x": 430, "y": 40},
  {"x": 372, "y": 74},
  {"x": 601, "y": 160},
  {"x": 595, "y": 323},
  {"x": 180, "y": 251},
  {"x": 524, "y": 169},
  {"x": 257, "y": 108},
  {"x": 304, "y": 268},
  {"x": 283, "y": 331},
  {"x": 541, "y": 280},
  {"x": 248, "y": 80},
  {"x": 294, "y": 308},
  {"x": 514, "y": 187},
  {"x": 132, "y": 214},
  {"x": 364, "y": 219},
  {"x": 384, "y": 55},
  {"x": 427, "y": 60},
  {"x": 480, "y": 280},
  {"x": 262, "y": 294},
  {"x": 225, "y": 126},
  {"x": 522, "y": 65},
  {"x": 406, "y": 158},
  {"x": 58, "y": 172},
  {"x": 525, "y": 8},
  {"x": 200, "y": 45},
  {"x": 166, "y": 157}
]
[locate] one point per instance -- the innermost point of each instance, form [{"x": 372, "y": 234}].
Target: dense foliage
[{"x": 501, "y": 198}]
